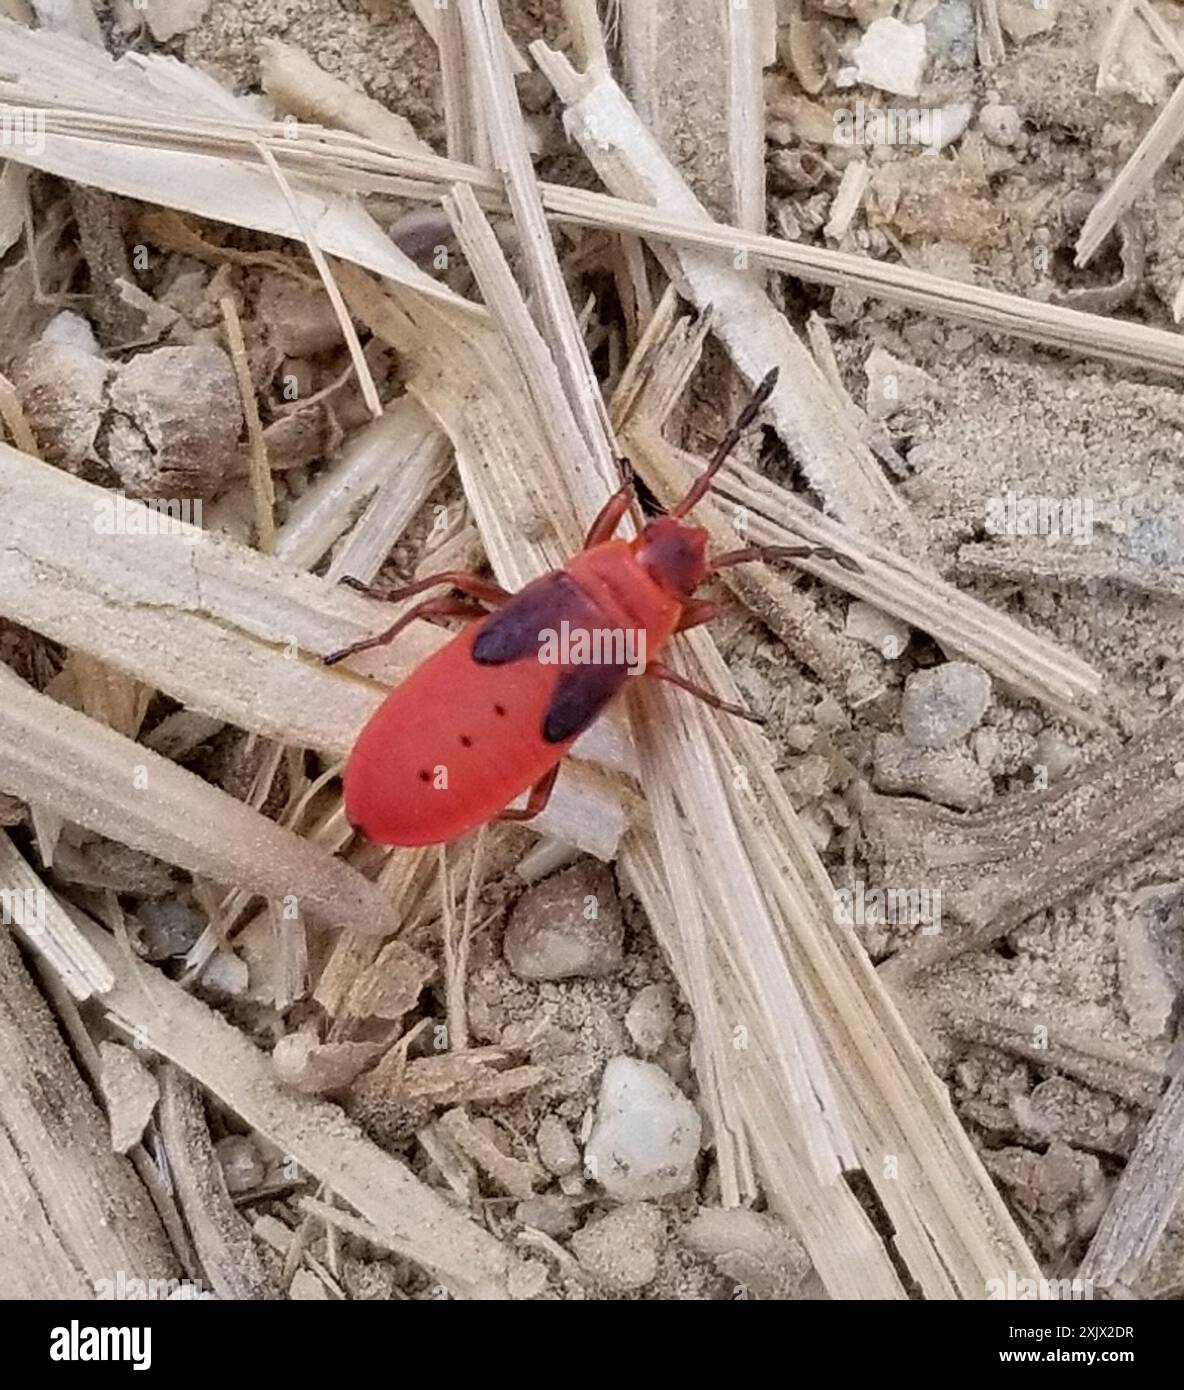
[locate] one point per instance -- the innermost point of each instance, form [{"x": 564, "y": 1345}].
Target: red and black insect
[{"x": 485, "y": 719}]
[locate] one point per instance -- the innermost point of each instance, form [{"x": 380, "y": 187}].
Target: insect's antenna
[{"x": 702, "y": 483}]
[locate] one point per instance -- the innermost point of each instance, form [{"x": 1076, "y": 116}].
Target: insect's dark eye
[
  {"x": 425, "y": 776},
  {"x": 466, "y": 741},
  {"x": 499, "y": 709}
]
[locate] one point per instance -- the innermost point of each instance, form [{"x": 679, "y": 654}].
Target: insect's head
[{"x": 674, "y": 555}]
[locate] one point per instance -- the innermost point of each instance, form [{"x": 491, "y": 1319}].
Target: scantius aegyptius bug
[{"x": 486, "y": 717}]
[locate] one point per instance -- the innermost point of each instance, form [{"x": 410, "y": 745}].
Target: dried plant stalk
[
  {"x": 1025, "y": 662},
  {"x": 389, "y": 467},
  {"x": 487, "y": 48},
  {"x": 414, "y": 1220},
  {"x": 72, "y": 1213},
  {"x": 261, "y": 483},
  {"x": 1134, "y": 178},
  {"x": 951, "y": 1226},
  {"x": 672, "y": 47},
  {"x": 65, "y": 74},
  {"x": 47, "y": 929},
  {"x": 1148, "y": 1193},
  {"x": 222, "y": 1238},
  {"x": 90, "y": 775},
  {"x": 296, "y": 84},
  {"x": 803, "y": 408},
  {"x": 120, "y": 135}
]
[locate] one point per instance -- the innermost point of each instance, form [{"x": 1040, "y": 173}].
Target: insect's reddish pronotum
[{"x": 492, "y": 714}]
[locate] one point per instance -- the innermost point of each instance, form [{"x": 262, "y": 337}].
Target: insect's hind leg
[
  {"x": 429, "y": 608},
  {"x": 658, "y": 671},
  {"x": 536, "y": 802},
  {"x": 471, "y": 584}
]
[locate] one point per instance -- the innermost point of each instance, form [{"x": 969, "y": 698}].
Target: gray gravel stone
[
  {"x": 942, "y": 705},
  {"x": 621, "y": 1250}
]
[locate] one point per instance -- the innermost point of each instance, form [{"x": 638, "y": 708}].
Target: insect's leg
[
  {"x": 429, "y": 608},
  {"x": 769, "y": 553},
  {"x": 540, "y": 794},
  {"x": 609, "y": 518},
  {"x": 471, "y": 584},
  {"x": 659, "y": 672},
  {"x": 695, "y": 613}
]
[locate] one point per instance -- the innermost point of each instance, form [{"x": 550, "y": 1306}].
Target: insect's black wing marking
[
  {"x": 580, "y": 695},
  {"x": 515, "y": 631}
]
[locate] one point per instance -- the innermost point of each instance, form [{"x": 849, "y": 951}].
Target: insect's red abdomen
[{"x": 450, "y": 747}]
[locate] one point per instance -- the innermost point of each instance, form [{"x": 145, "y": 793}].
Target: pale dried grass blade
[
  {"x": 217, "y": 170},
  {"x": 486, "y": 39},
  {"x": 1120, "y": 16},
  {"x": 1148, "y": 1193},
  {"x": 746, "y": 25},
  {"x": 40, "y": 922},
  {"x": 524, "y": 341},
  {"x": 400, "y": 459},
  {"x": 852, "y": 186},
  {"x": 414, "y": 1220},
  {"x": 262, "y": 486},
  {"x": 1162, "y": 31},
  {"x": 1025, "y": 662},
  {"x": 348, "y": 331},
  {"x": 951, "y": 1225},
  {"x": 802, "y": 408},
  {"x": 57, "y": 75},
  {"x": 465, "y": 132},
  {"x": 13, "y": 415},
  {"x": 1134, "y": 178},
  {"x": 672, "y": 47},
  {"x": 94, "y": 777},
  {"x": 296, "y": 84}
]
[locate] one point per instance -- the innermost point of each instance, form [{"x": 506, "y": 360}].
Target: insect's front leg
[
  {"x": 769, "y": 553},
  {"x": 658, "y": 671},
  {"x": 696, "y": 612},
  {"x": 604, "y": 528},
  {"x": 429, "y": 608},
  {"x": 472, "y": 584}
]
